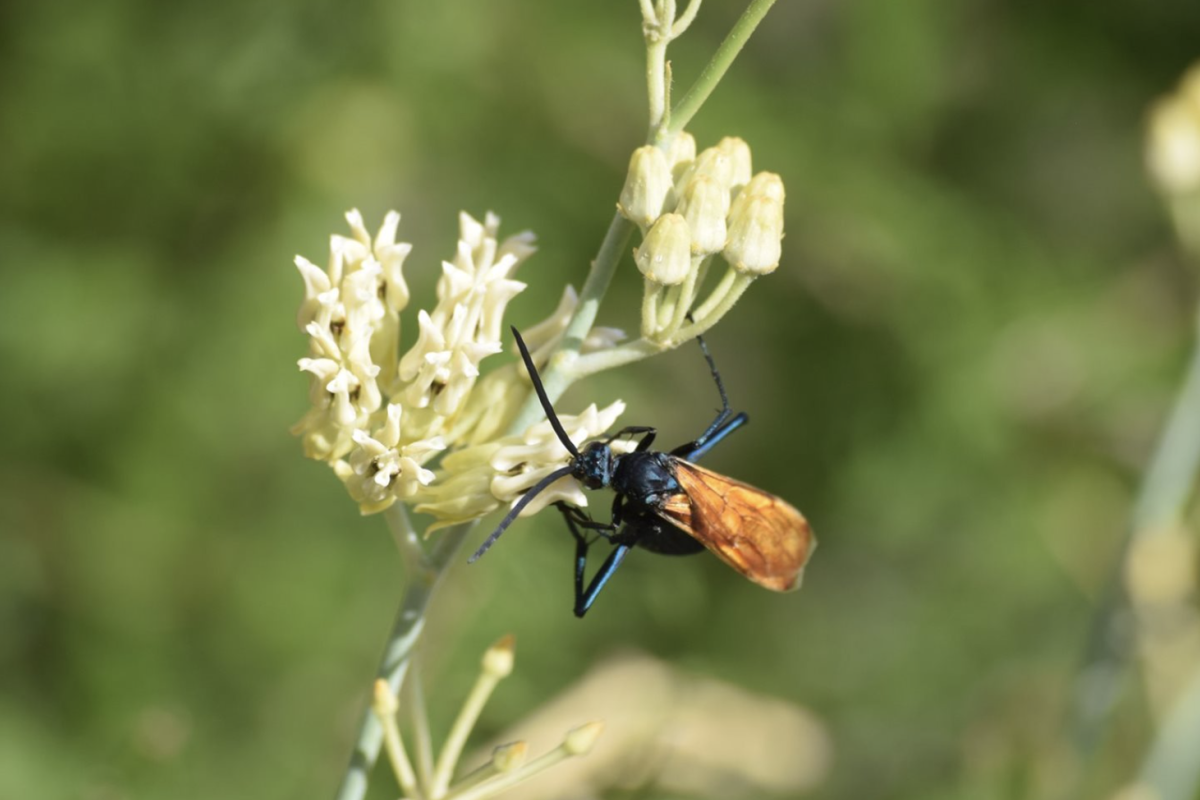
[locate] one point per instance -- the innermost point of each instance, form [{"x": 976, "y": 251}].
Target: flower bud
[
  {"x": 715, "y": 163},
  {"x": 681, "y": 153},
  {"x": 385, "y": 702},
  {"x": 665, "y": 256},
  {"x": 738, "y": 153},
  {"x": 646, "y": 186},
  {"x": 498, "y": 660},
  {"x": 756, "y": 226},
  {"x": 1173, "y": 142},
  {"x": 580, "y": 740},
  {"x": 705, "y": 204},
  {"x": 509, "y": 757}
]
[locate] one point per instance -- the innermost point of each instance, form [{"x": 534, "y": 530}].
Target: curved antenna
[
  {"x": 541, "y": 393},
  {"x": 518, "y": 508}
]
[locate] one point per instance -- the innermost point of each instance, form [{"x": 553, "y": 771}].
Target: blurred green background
[{"x": 957, "y": 372}]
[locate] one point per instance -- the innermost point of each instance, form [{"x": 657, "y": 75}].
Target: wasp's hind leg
[
  {"x": 721, "y": 427},
  {"x": 584, "y": 597}
]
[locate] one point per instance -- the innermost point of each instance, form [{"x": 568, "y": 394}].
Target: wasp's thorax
[{"x": 644, "y": 478}]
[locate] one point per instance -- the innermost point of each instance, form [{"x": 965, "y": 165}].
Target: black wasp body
[{"x": 643, "y": 481}]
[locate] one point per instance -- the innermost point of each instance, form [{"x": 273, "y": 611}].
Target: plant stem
[
  {"x": 418, "y": 715},
  {"x": 557, "y": 376},
  {"x": 558, "y": 373},
  {"x": 716, "y": 68},
  {"x": 685, "y": 20},
  {"x": 656, "y": 80},
  {"x": 614, "y": 357},
  {"x": 1171, "y": 770},
  {"x": 453, "y": 746},
  {"x": 1164, "y": 494},
  {"x": 423, "y": 579}
]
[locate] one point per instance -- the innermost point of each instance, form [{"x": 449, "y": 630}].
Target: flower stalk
[{"x": 424, "y": 426}]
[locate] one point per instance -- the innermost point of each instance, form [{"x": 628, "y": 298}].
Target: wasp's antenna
[
  {"x": 712, "y": 367},
  {"x": 549, "y": 409},
  {"x": 520, "y": 506}
]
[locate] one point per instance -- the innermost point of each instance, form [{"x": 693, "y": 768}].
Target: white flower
[
  {"x": 351, "y": 313},
  {"x": 522, "y": 461},
  {"x": 467, "y": 323},
  {"x": 380, "y": 471}
]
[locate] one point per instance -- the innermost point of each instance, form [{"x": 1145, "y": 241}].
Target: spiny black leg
[
  {"x": 650, "y": 432},
  {"x": 692, "y": 451},
  {"x": 585, "y": 598},
  {"x": 577, "y": 517},
  {"x": 581, "y": 553}
]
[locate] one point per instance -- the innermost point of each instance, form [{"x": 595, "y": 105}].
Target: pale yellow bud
[
  {"x": 581, "y": 740},
  {"x": 508, "y": 757},
  {"x": 738, "y": 152},
  {"x": 385, "y": 702},
  {"x": 705, "y": 204},
  {"x": 681, "y": 154},
  {"x": 498, "y": 660},
  {"x": 646, "y": 186},
  {"x": 756, "y": 226},
  {"x": 665, "y": 256},
  {"x": 715, "y": 163},
  {"x": 1173, "y": 143}
]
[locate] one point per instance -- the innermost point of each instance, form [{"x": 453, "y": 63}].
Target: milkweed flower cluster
[
  {"x": 690, "y": 208},
  {"x": 382, "y": 417}
]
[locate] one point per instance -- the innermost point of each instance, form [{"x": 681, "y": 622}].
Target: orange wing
[{"x": 756, "y": 533}]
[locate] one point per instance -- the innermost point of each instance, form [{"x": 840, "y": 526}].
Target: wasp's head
[{"x": 595, "y": 465}]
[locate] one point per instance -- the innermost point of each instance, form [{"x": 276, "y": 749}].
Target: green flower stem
[
  {"x": 1164, "y": 495},
  {"x": 394, "y": 744},
  {"x": 425, "y": 573},
  {"x": 1171, "y": 475},
  {"x": 418, "y": 716},
  {"x": 1171, "y": 769},
  {"x": 712, "y": 73},
  {"x": 557, "y": 374},
  {"x": 656, "y": 78},
  {"x": 507, "y": 780},
  {"x": 426, "y": 570},
  {"x": 685, "y": 20},
  {"x": 614, "y": 357},
  {"x": 463, "y": 724},
  {"x": 559, "y": 371},
  {"x": 723, "y": 298},
  {"x": 650, "y": 298}
]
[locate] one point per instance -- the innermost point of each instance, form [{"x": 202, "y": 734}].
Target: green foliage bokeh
[{"x": 957, "y": 372}]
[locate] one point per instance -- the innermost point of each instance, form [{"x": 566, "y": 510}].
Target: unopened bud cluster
[
  {"x": 691, "y": 207},
  {"x": 381, "y": 415}
]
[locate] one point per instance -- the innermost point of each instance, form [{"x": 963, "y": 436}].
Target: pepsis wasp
[{"x": 667, "y": 504}]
